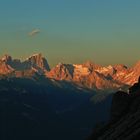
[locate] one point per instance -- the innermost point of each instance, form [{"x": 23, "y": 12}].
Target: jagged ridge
[{"x": 88, "y": 74}]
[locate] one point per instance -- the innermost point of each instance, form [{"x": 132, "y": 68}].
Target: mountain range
[
  {"x": 64, "y": 102},
  {"x": 88, "y": 74},
  {"x": 37, "y": 107}
]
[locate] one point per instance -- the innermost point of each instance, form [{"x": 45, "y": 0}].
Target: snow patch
[{"x": 80, "y": 69}]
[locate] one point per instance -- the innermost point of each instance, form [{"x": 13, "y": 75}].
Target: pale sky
[{"x": 71, "y": 31}]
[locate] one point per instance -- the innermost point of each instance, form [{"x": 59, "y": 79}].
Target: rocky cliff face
[
  {"x": 5, "y": 68},
  {"x": 34, "y": 64},
  {"x": 61, "y": 72},
  {"x": 37, "y": 61},
  {"x": 125, "y": 117}
]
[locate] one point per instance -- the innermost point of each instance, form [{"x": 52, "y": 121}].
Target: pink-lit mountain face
[
  {"x": 14, "y": 67},
  {"x": 88, "y": 75}
]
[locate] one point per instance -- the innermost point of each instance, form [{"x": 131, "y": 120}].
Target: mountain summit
[
  {"x": 87, "y": 75},
  {"x": 36, "y": 63}
]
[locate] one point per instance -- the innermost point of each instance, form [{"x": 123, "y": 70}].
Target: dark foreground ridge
[{"x": 125, "y": 117}]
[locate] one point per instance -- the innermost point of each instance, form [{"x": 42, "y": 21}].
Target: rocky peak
[
  {"x": 62, "y": 72},
  {"x": 35, "y": 63},
  {"x": 91, "y": 65},
  {"x": 38, "y": 61},
  {"x": 106, "y": 71},
  {"x": 120, "y": 67},
  {"x": 6, "y": 58},
  {"x": 132, "y": 74},
  {"x": 60, "y": 65},
  {"x": 5, "y": 68}
]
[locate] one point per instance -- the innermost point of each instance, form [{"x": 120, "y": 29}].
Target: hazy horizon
[{"x": 105, "y": 32}]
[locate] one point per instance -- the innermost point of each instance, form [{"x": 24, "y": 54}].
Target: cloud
[{"x": 34, "y": 32}]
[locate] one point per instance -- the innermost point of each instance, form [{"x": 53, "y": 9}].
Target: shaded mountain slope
[
  {"x": 42, "y": 108},
  {"x": 125, "y": 117}
]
